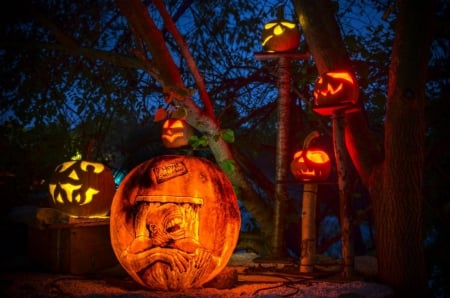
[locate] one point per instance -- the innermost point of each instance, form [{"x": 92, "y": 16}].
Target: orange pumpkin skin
[
  {"x": 174, "y": 222},
  {"x": 334, "y": 91},
  {"x": 311, "y": 165},
  {"x": 82, "y": 188},
  {"x": 280, "y": 36},
  {"x": 176, "y": 133}
]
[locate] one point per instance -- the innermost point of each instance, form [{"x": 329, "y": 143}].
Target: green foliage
[{"x": 228, "y": 166}]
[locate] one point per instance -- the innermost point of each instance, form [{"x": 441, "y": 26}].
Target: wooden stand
[{"x": 72, "y": 245}]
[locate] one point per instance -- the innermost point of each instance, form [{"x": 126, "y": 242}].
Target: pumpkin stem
[
  {"x": 280, "y": 12},
  {"x": 311, "y": 136},
  {"x": 89, "y": 149}
]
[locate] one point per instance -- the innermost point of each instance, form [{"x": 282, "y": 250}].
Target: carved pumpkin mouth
[{"x": 172, "y": 137}]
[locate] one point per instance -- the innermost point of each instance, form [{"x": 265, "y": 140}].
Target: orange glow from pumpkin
[
  {"x": 335, "y": 91},
  {"x": 175, "y": 133},
  {"x": 311, "y": 165}
]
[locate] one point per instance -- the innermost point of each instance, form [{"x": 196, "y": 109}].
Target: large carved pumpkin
[
  {"x": 175, "y": 222},
  {"x": 311, "y": 165},
  {"x": 82, "y": 188},
  {"x": 280, "y": 35},
  {"x": 176, "y": 133},
  {"x": 335, "y": 91}
]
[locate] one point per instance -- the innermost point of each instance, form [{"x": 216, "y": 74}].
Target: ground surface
[{"x": 248, "y": 282}]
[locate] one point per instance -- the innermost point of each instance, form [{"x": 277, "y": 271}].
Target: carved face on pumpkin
[
  {"x": 82, "y": 188},
  {"x": 174, "y": 222},
  {"x": 311, "y": 165},
  {"x": 280, "y": 36},
  {"x": 335, "y": 91},
  {"x": 176, "y": 133}
]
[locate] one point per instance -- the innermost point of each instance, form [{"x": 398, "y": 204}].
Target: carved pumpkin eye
[
  {"x": 335, "y": 91},
  {"x": 311, "y": 165}
]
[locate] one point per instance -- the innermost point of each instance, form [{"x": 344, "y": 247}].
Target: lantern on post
[
  {"x": 280, "y": 35},
  {"x": 334, "y": 91},
  {"x": 82, "y": 188},
  {"x": 311, "y": 165},
  {"x": 176, "y": 133}
]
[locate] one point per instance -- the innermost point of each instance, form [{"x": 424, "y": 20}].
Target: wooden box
[{"x": 77, "y": 246}]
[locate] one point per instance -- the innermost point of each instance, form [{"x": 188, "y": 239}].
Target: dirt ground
[{"x": 239, "y": 281}]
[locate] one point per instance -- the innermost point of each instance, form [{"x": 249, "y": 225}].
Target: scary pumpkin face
[
  {"x": 174, "y": 222},
  {"x": 82, "y": 188},
  {"x": 176, "y": 133},
  {"x": 311, "y": 165},
  {"x": 280, "y": 36},
  {"x": 335, "y": 91}
]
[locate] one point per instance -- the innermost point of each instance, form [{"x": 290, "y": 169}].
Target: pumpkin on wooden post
[
  {"x": 175, "y": 222},
  {"x": 309, "y": 166},
  {"x": 82, "y": 188},
  {"x": 335, "y": 91},
  {"x": 280, "y": 35}
]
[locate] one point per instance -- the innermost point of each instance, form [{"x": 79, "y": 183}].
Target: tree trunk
[
  {"x": 394, "y": 183},
  {"x": 171, "y": 80},
  {"x": 398, "y": 211}
]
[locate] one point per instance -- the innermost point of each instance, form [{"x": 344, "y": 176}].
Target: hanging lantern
[
  {"x": 176, "y": 133},
  {"x": 280, "y": 35},
  {"x": 175, "y": 222},
  {"x": 335, "y": 91},
  {"x": 311, "y": 165},
  {"x": 82, "y": 188}
]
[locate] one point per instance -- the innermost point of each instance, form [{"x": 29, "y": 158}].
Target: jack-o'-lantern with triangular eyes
[
  {"x": 176, "y": 133},
  {"x": 311, "y": 165},
  {"x": 333, "y": 91},
  {"x": 280, "y": 35},
  {"x": 82, "y": 188}
]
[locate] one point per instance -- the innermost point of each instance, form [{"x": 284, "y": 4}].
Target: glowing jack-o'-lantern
[
  {"x": 176, "y": 133},
  {"x": 174, "y": 222},
  {"x": 82, "y": 188},
  {"x": 311, "y": 165},
  {"x": 280, "y": 35},
  {"x": 335, "y": 91}
]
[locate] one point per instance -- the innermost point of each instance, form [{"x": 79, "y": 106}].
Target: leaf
[
  {"x": 196, "y": 142},
  {"x": 227, "y": 165},
  {"x": 160, "y": 115},
  {"x": 228, "y": 136}
]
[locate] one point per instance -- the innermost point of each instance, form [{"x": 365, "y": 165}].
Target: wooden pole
[
  {"x": 278, "y": 243},
  {"x": 308, "y": 242},
  {"x": 342, "y": 163}
]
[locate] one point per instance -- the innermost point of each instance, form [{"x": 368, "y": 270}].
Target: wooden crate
[{"x": 78, "y": 246}]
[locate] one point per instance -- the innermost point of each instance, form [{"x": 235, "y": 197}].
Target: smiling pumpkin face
[
  {"x": 176, "y": 133},
  {"x": 334, "y": 91}
]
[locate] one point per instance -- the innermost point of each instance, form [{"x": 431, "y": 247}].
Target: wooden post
[
  {"x": 342, "y": 163},
  {"x": 278, "y": 247},
  {"x": 308, "y": 243}
]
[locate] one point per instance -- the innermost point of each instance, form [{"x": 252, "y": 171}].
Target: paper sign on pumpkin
[
  {"x": 82, "y": 188},
  {"x": 174, "y": 222},
  {"x": 335, "y": 91}
]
